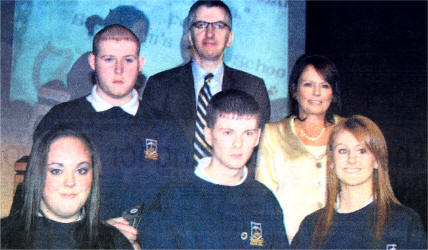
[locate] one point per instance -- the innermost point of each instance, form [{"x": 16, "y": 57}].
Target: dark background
[{"x": 380, "y": 49}]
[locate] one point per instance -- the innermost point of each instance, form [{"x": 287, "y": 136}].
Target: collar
[
  {"x": 100, "y": 104},
  {"x": 81, "y": 216},
  {"x": 199, "y": 73},
  {"x": 336, "y": 206},
  {"x": 205, "y": 162}
]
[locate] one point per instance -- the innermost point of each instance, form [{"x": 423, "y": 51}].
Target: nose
[
  {"x": 118, "y": 69},
  {"x": 352, "y": 157},
  {"x": 237, "y": 141},
  {"x": 210, "y": 30},
  {"x": 317, "y": 90},
  {"x": 70, "y": 179}
]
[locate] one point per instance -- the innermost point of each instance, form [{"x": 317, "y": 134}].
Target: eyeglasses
[{"x": 219, "y": 25}]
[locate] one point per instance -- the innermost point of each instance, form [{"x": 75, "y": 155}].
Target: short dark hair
[
  {"x": 232, "y": 101},
  {"x": 209, "y": 3},
  {"x": 114, "y": 32},
  {"x": 327, "y": 69},
  {"x": 35, "y": 179}
]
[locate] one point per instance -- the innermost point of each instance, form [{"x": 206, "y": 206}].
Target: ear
[
  {"x": 189, "y": 37},
  {"x": 259, "y": 132},
  {"x": 141, "y": 62},
  {"x": 230, "y": 40},
  {"x": 208, "y": 136},
  {"x": 376, "y": 165},
  {"x": 293, "y": 90},
  {"x": 91, "y": 60}
]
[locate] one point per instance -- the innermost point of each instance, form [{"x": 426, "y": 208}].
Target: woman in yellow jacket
[{"x": 292, "y": 156}]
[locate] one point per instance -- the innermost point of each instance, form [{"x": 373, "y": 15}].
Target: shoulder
[
  {"x": 285, "y": 123},
  {"x": 338, "y": 118},
  {"x": 76, "y": 104},
  {"x": 170, "y": 73},
  {"x": 403, "y": 214},
  {"x": 239, "y": 74},
  {"x": 259, "y": 191},
  {"x": 12, "y": 231}
]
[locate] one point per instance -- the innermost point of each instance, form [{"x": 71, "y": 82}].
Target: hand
[{"x": 123, "y": 226}]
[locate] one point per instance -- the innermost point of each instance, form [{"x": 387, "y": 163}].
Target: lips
[
  {"x": 352, "y": 170},
  {"x": 117, "y": 82},
  {"x": 315, "y": 101},
  {"x": 68, "y": 196}
]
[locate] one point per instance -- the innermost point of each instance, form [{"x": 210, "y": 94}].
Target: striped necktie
[{"x": 201, "y": 147}]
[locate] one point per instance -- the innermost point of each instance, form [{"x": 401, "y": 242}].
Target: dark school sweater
[
  {"x": 403, "y": 230},
  {"x": 138, "y": 153},
  {"x": 49, "y": 234},
  {"x": 198, "y": 214}
]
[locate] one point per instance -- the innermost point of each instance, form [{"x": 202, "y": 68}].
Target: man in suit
[{"x": 173, "y": 94}]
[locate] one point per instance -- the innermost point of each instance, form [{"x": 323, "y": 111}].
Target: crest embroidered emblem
[
  {"x": 256, "y": 237},
  {"x": 151, "y": 151}
]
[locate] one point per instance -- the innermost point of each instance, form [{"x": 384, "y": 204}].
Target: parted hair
[
  {"x": 35, "y": 179},
  {"x": 369, "y": 134},
  {"x": 327, "y": 69}
]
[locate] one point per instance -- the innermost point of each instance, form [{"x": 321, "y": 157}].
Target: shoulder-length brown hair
[{"x": 367, "y": 132}]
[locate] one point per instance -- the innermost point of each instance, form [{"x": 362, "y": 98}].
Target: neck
[
  {"x": 117, "y": 102},
  {"x": 223, "y": 175},
  {"x": 209, "y": 65},
  {"x": 354, "y": 198},
  {"x": 312, "y": 120}
]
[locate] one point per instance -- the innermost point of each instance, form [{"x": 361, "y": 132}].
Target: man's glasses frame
[{"x": 203, "y": 25}]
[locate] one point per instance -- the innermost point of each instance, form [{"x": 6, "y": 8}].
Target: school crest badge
[
  {"x": 151, "y": 151},
  {"x": 256, "y": 237}
]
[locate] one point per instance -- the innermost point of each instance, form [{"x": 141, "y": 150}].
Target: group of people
[{"x": 181, "y": 157}]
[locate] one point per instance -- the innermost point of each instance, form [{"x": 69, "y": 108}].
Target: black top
[
  {"x": 199, "y": 214},
  {"x": 48, "y": 234},
  {"x": 138, "y": 153},
  {"x": 403, "y": 230}
]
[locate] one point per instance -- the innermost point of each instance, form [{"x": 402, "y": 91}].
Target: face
[
  {"x": 313, "y": 93},
  {"x": 353, "y": 162},
  {"x": 209, "y": 44},
  {"x": 233, "y": 140},
  {"x": 68, "y": 179},
  {"x": 117, "y": 65}
]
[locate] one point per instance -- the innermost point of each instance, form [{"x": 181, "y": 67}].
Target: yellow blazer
[{"x": 296, "y": 176}]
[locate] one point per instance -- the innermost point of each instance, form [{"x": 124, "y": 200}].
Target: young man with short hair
[{"x": 220, "y": 206}]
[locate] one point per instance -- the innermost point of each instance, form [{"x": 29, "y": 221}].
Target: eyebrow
[
  {"x": 130, "y": 55},
  {"x": 57, "y": 164}
]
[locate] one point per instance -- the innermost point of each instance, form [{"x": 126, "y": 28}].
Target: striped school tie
[{"x": 201, "y": 147}]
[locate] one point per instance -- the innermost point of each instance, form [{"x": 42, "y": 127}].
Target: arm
[
  {"x": 416, "y": 235},
  {"x": 262, "y": 97},
  {"x": 154, "y": 95},
  {"x": 265, "y": 170}
]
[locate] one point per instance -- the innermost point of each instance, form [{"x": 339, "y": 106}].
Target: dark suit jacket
[{"x": 171, "y": 94}]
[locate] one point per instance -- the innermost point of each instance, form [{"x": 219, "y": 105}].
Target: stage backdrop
[
  {"x": 52, "y": 40},
  {"x": 49, "y": 41}
]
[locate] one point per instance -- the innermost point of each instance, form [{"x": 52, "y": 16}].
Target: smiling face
[
  {"x": 353, "y": 162},
  {"x": 209, "y": 44},
  {"x": 117, "y": 66},
  {"x": 233, "y": 139},
  {"x": 68, "y": 179},
  {"x": 313, "y": 93}
]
